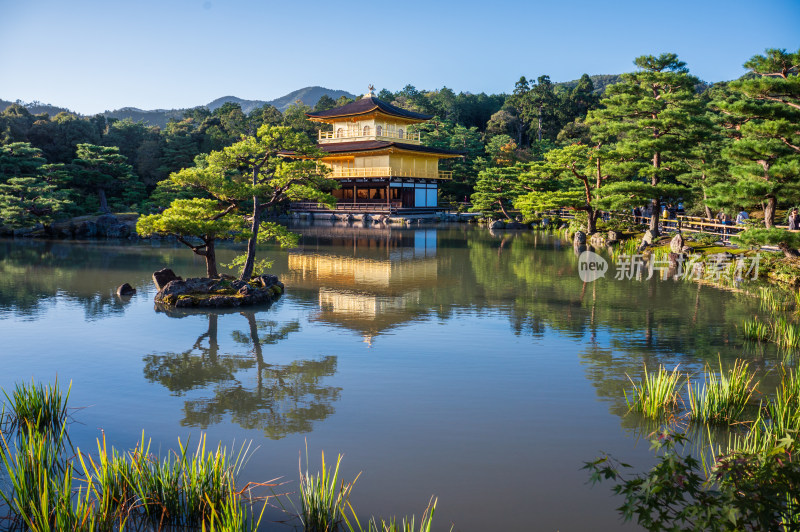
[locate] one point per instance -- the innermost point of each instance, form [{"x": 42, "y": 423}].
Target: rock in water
[
  {"x": 125, "y": 290},
  {"x": 497, "y": 224},
  {"x": 162, "y": 277},
  {"x": 579, "y": 239},
  {"x": 676, "y": 244},
  {"x": 613, "y": 236}
]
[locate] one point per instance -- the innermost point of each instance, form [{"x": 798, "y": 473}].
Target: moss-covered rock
[{"x": 219, "y": 293}]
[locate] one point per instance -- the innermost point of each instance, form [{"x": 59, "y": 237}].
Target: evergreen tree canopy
[
  {"x": 655, "y": 118},
  {"x": 763, "y": 114}
]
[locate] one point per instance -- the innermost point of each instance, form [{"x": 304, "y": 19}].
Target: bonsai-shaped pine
[
  {"x": 27, "y": 196},
  {"x": 196, "y": 223},
  {"x": 786, "y": 241},
  {"x": 496, "y": 190},
  {"x": 569, "y": 177},
  {"x": 257, "y": 173}
]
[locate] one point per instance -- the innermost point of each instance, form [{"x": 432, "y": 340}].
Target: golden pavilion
[{"x": 380, "y": 164}]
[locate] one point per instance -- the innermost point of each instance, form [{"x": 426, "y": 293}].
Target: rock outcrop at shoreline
[{"x": 203, "y": 292}]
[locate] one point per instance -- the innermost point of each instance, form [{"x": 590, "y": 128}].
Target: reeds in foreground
[
  {"x": 723, "y": 396},
  {"x": 323, "y": 497},
  {"x": 406, "y": 524},
  {"x": 42, "y": 407},
  {"x": 656, "y": 395},
  {"x": 777, "y": 421}
]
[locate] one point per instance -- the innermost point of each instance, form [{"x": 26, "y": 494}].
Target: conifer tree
[
  {"x": 102, "y": 170},
  {"x": 655, "y": 118},
  {"x": 762, "y": 115},
  {"x": 569, "y": 177},
  {"x": 190, "y": 220},
  {"x": 497, "y": 189},
  {"x": 257, "y": 173}
]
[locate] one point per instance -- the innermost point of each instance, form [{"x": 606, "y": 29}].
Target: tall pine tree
[{"x": 655, "y": 118}]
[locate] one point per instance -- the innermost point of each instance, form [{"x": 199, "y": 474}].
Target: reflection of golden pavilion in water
[{"x": 377, "y": 289}]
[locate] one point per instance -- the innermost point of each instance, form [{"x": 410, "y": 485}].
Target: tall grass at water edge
[
  {"x": 723, "y": 396},
  {"x": 40, "y": 407},
  {"x": 656, "y": 395},
  {"x": 53, "y": 487},
  {"x": 778, "y": 420},
  {"x": 779, "y": 331}
]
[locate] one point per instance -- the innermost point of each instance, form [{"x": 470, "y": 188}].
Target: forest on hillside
[{"x": 657, "y": 134}]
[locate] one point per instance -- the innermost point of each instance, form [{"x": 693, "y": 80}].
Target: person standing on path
[
  {"x": 794, "y": 220},
  {"x": 741, "y": 217}
]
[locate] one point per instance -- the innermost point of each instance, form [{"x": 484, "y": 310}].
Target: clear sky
[{"x": 96, "y": 55}]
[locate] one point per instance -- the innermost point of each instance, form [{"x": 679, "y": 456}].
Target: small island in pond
[{"x": 221, "y": 292}]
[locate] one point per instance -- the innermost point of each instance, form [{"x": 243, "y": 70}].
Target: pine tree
[
  {"x": 257, "y": 173},
  {"x": 655, "y": 118},
  {"x": 102, "y": 170},
  {"x": 569, "y": 177},
  {"x": 497, "y": 189},
  {"x": 763, "y": 114},
  {"x": 195, "y": 219}
]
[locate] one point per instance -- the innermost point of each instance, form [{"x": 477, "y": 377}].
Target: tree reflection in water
[{"x": 279, "y": 399}]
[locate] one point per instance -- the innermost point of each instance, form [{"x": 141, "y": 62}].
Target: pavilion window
[
  {"x": 363, "y": 193},
  {"x": 379, "y": 130},
  {"x": 340, "y": 133},
  {"x": 400, "y": 133},
  {"x": 366, "y": 131}
]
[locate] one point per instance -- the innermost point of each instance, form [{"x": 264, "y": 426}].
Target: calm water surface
[{"x": 444, "y": 361}]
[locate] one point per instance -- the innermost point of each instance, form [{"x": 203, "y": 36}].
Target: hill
[
  {"x": 600, "y": 81},
  {"x": 160, "y": 117},
  {"x": 307, "y": 95},
  {"x": 35, "y": 108}
]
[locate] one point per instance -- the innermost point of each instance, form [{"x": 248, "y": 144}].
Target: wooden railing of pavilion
[{"x": 377, "y": 171}]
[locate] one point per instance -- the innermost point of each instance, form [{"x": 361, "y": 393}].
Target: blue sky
[{"x": 91, "y": 56}]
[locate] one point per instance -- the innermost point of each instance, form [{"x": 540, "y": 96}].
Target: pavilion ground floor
[{"x": 381, "y": 195}]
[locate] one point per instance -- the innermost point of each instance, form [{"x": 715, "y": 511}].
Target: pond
[{"x": 441, "y": 360}]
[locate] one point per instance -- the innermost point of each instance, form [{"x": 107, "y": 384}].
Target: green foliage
[
  {"x": 406, "y": 524},
  {"x": 655, "y": 118},
  {"x": 761, "y": 113},
  {"x": 757, "y": 237},
  {"x": 20, "y": 159},
  {"x": 323, "y": 499},
  {"x": 448, "y": 135},
  {"x": 656, "y": 395},
  {"x": 24, "y": 200},
  {"x": 780, "y": 331},
  {"x": 742, "y": 491},
  {"x": 253, "y": 175},
  {"x": 723, "y": 396},
  {"x": 496, "y": 190},
  {"x": 269, "y": 232},
  {"x": 103, "y": 171},
  {"x": 134, "y": 490}
]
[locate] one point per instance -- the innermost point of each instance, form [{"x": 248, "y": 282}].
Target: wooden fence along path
[{"x": 686, "y": 224}]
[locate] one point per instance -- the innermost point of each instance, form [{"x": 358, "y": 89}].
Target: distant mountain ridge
[
  {"x": 308, "y": 95},
  {"x": 160, "y": 117}
]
